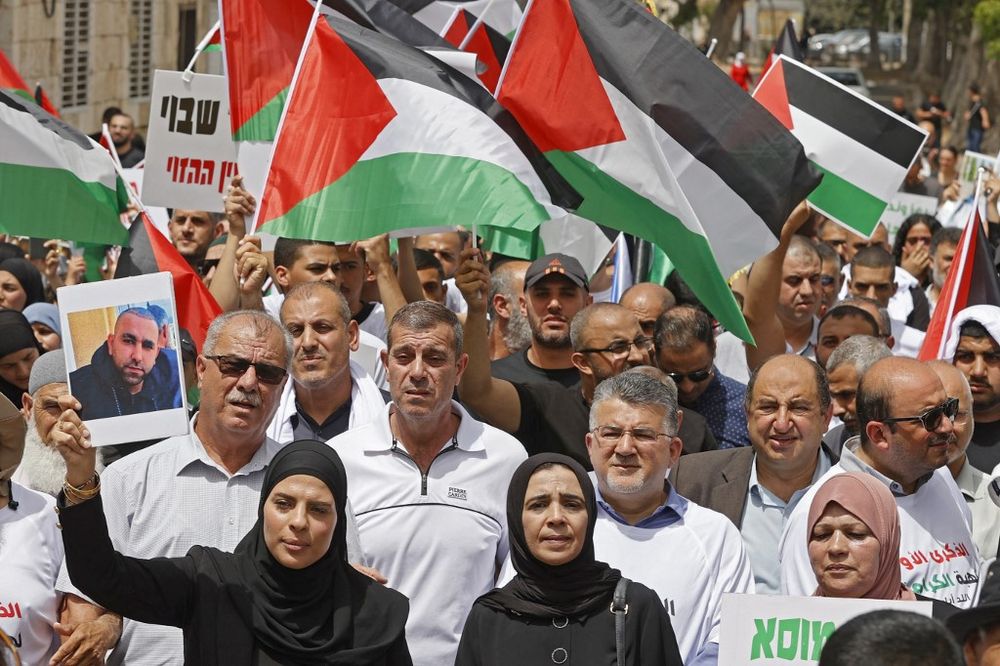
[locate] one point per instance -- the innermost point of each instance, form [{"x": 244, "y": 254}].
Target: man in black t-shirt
[
  {"x": 977, "y": 355},
  {"x": 545, "y": 416},
  {"x": 555, "y": 289}
]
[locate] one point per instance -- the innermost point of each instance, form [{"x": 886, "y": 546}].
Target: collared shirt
[
  {"x": 161, "y": 501},
  {"x": 303, "y": 427},
  {"x": 850, "y": 462},
  {"x": 808, "y": 350},
  {"x": 764, "y": 519},
  {"x": 440, "y": 534},
  {"x": 721, "y": 403},
  {"x": 668, "y": 513},
  {"x": 974, "y": 486}
]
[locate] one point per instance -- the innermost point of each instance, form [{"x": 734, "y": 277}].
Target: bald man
[
  {"x": 648, "y": 301},
  {"x": 905, "y": 419},
  {"x": 973, "y": 483}
]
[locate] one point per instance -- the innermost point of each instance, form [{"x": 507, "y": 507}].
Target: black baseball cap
[{"x": 556, "y": 264}]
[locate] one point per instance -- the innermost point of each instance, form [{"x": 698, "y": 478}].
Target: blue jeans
[{"x": 973, "y": 139}]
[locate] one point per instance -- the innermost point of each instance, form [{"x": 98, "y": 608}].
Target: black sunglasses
[
  {"x": 696, "y": 376},
  {"x": 931, "y": 418},
  {"x": 234, "y": 366}
]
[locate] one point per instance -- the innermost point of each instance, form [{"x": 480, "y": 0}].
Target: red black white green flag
[
  {"x": 54, "y": 181},
  {"x": 149, "y": 251},
  {"x": 486, "y": 42},
  {"x": 11, "y": 80},
  {"x": 972, "y": 280},
  {"x": 261, "y": 43},
  {"x": 658, "y": 140},
  {"x": 864, "y": 150},
  {"x": 503, "y": 15},
  {"x": 786, "y": 44},
  {"x": 407, "y": 143}
]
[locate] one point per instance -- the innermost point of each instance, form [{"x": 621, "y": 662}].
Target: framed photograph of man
[{"x": 123, "y": 358}]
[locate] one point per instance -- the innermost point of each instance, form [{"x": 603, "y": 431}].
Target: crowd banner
[
  {"x": 971, "y": 162},
  {"x": 765, "y": 630},
  {"x": 190, "y": 153},
  {"x": 904, "y": 205}
]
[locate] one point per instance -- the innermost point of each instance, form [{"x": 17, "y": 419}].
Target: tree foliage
[{"x": 987, "y": 16}]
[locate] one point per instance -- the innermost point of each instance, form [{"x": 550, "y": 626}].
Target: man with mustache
[
  {"x": 974, "y": 350},
  {"x": 555, "y": 289},
  {"x": 329, "y": 392},
  {"x": 906, "y": 422},
  {"x": 200, "y": 488},
  {"x": 128, "y": 374}
]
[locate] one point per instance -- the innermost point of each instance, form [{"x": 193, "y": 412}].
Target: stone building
[{"x": 91, "y": 54}]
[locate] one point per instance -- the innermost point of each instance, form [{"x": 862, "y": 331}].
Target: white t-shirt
[
  {"x": 936, "y": 550},
  {"x": 690, "y": 564},
  {"x": 438, "y": 538},
  {"x": 31, "y": 551},
  {"x": 375, "y": 323}
]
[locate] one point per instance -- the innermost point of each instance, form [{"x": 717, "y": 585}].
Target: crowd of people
[{"x": 432, "y": 454}]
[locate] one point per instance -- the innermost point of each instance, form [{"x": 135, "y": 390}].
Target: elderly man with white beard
[{"x": 42, "y": 468}]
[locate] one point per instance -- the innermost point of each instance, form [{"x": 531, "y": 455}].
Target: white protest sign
[
  {"x": 970, "y": 167},
  {"x": 157, "y": 214},
  {"x": 190, "y": 153},
  {"x": 902, "y": 206},
  {"x": 766, "y": 630}
]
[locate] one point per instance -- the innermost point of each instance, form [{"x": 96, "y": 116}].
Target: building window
[
  {"x": 187, "y": 35},
  {"x": 140, "y": 62},
  {"x": 76, "y": 53}
]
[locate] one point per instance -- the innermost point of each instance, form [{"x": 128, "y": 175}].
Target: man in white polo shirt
[
  {"x": 689, "y": 554},
  {"x": 429, "y": 483}
]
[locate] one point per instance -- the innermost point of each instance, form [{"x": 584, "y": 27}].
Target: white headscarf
[{"x": 987, "y": 315}]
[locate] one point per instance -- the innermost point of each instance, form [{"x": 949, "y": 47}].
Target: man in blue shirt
[{"x": 685, "y": 350}]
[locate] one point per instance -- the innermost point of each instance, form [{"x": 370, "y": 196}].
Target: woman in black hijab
[
  {"x": 20, "y": 284},
  {"x": 19, "y": 349},
  {"x": 557, "y": 609},
  {"x": 278, "y": 599}
]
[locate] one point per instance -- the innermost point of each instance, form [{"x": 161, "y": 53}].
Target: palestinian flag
[
  {"x": 149, "y": 251},
  {"x": 261, "y": 44},
  {"x": 54, "y": 181},
  {"x": 409, "y": 143},
  {"x": 657, "y": 139},
  {"x": 485, "y": 41},
  {"x": 972, "y": 280},
  {"x": 786, "y": 44},
  {"x": 503, "y": 15},
  {"x": 214, "y": 44},
  {"x": 863, "y": 149},
  {"x": 11, "y": 80},
  {"x": 385, "y": 17}
]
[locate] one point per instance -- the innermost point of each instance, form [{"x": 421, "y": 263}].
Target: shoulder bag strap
[{"x": 620, "y": 609}]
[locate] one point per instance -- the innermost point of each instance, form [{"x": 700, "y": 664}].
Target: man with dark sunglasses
[
  {"x": 685, "y": 350},
  {"x": 906, "y": 423}
]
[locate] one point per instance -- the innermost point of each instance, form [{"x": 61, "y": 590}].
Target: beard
[
  {"x": 518, "y": 333},
  {"x": 43, "y": 465}
]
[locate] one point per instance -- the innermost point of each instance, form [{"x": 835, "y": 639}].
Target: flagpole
[
  {"x": 969, "y": 235},
  {"x": 475, "y": 26},
  {"x": 106, "y": 134},
  {"x": 711, "y": 48},
  {"x": 189, "y": 70}
]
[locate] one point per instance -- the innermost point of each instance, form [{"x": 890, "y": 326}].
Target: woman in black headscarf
[
  {"x": 20, "y": 284},
  {"x": 557, "y": 609},
  {"x": 19, "y": 349},
  {"x": 285, "y": 596}
]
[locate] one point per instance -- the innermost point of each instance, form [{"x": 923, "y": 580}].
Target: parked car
[
  {"x": 890, "y": 46},
  {"x": 818, "y": 44},
  {"x": 848, "y": 76}
]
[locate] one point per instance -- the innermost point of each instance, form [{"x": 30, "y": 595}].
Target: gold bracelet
[{"x": 83, "y": 493}]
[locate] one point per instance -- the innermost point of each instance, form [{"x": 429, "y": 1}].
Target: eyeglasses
[
  {"x": 696, "y": 376},
  {"x": 234, "y": 366},
  {"x": 609, "y": 435},
  {"x": 931, "y": 418},
  {"x": 621, "y": 348}
]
